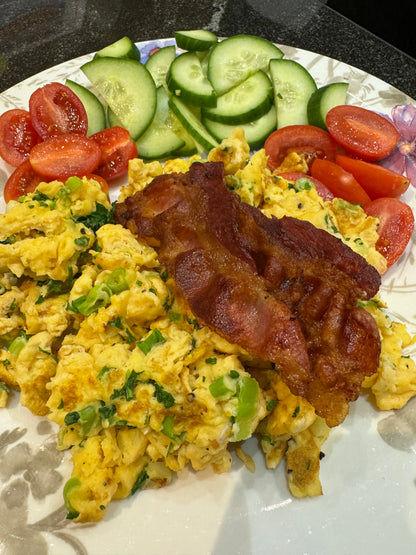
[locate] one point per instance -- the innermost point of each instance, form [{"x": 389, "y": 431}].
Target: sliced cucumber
[
  {"x": 246, "y": 102},
  {"x": 159, "y": 63},
  {"x": 195, "y": 40},
  {"x": 159, "y": 141},
  {"x": 93, "y": 107},
  {"x": 256, "y": 131},
  {"x": 192, "y": 124},
  {"x": 323, "y": 99},
  {"x": 234, "y": 59},
  {"x": 122, "y": 48},
  {"x": 293, "y": 86},
  {"x": 186, "y": 79},
  {"x": 128, "y": 88},
  {"x": 189, "y": 148}
]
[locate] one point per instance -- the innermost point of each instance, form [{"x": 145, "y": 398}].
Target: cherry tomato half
[
  {"x": 17, "y": 136},
  {"x": 362, "y": 132},
  {"x": 340, "y": 182},
  {"x": 56, "y": 110},
  {"x": 22, "y": 181},
  {"x": 117, "y": 148},
  {"x": 304, "y": 139},
  {"x": 395, "y": 229},
  {"x": 321, "y": 189},
  {"x": 375, "y": 180},
  {"x": 65, "y": 155}
]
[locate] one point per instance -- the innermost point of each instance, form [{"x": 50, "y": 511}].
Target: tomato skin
[
  {"x": 23, "y": 180},
  {"x": 65, "y": 155},
  {"x": 117, "y": 148},
  {"x": 17, "y": 136},
  {"x": 321, "y": 189},
  {"x": 375, "y": 180},
  {"x": 361, "y": 132},
  {"x": 56, "y": 110},
  {"x": 306, "y": 139},
  {"x": 340, "y": 182},
  {"x": 396, "y": 226}
]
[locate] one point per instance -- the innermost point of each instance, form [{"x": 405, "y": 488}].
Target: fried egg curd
[{"x": 96, "y": 336}]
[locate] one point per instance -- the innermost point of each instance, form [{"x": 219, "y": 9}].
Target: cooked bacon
[{"x": 281, "y": 288}]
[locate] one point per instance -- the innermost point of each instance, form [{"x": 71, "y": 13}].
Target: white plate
[{"x": 369, "y": 501}]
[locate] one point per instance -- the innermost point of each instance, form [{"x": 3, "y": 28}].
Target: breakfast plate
[{"x": 368, "y": 472}]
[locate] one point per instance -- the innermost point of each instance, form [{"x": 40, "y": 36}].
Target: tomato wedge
[
  {"x": 340, "y": 182},
  {"x": 321, "y": 189},
  {"x": 65, "y": 155},
  {"x": 117, "y": 148},
  {"x": 375, "y": 180},
  {"x": 304, "y": 139},
  {"x": 22, "y": 181},
  {"x": 56, "y": 110},
  {"x": 362, "y": 132},
  {"x": 17, "y": 136},
  {"x": 395, "y": 229}
]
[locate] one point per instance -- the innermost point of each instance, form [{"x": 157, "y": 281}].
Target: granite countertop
[{"x": 42, "y": 33}]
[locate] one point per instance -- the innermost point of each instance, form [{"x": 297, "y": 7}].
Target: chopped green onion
[
  {"x": 127, "y": 391},
  {"x": 155, "y": 338},
  {"x": 73, "y": 183},
  {"x": 4, "y": 387},
  {"x": 82, "y": 241},
  {"x": 99, "y": 296},
  {"x": 211, "y": 360},
  {"x": 247, "y": 406},
  {"x": 17, "y": 344},
  {"x": 70, "y": 485},
  {"x": 117, "y": 281},
  {"x": 162, "y": 396},
  {"x": 224, "y": 385},
  {"x": 88, "y": 417},
  {"x": 71, "y": 418},
  {"x": 167, "y": 429}
]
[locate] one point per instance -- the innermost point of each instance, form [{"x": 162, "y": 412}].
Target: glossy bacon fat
[{"x": 282, "y": 289}]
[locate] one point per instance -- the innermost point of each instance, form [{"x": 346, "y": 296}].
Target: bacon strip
[{"x": 282, "y": 289}]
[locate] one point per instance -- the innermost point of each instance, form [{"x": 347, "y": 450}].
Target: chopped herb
[
  {"x": 296, "y": 412},
  {"x": 44, "y": 351},
  {"x": 167, "y": 429},
  {"x": 308, "y": 464},
  {"x": 234, "y": 374},
  {"x": 174, "y": 317},
  {"x": 162, "y": 396},
  {"x": 153, "y": 290},
  {"x": 9, "y": 240},
  {"x": 130, "y": 337},
  {"x": 82, "y": 241},
  {"x": 40, "y": 299},
  {"x": 104, "y": 371},
  {"x": 211, "y": 360},
  {"x": 61, "y": 405},
  {"x": 271, "y": 404},
  {"x": 107, "y": 412},
  {"x": 4, "y": 387},
  {"x": 141, "y": 480},
  {"x": 127, "y": 391},
  {"x": 117, "y": 323},
  {"x": 102, "y": 507},
  {"x": 6, "y": 362},
  {"x": 155, "y": 338},
  {"x": 71, "y": 418},
  {"x": 139, "y": 283},
  {"x": 99, "y": 296},
  {"x": 164, "y": 275},
  {"x": 98, "y": 218}
]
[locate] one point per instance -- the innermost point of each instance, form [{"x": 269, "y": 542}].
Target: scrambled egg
[{"x": 96, "y": 336}]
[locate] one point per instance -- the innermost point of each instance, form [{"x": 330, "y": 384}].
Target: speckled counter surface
[{"x": 39, "y": 34}]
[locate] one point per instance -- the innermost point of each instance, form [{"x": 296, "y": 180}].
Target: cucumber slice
[
  {"x": 189, "y": 148},
  {"x": 186, "y": 79},
  {"x": 128, "y": 88},
  {"x": 93, "y": 107},
  {"x": 323, "y": 99},
  {"x": 246, "y": 102},
  {"x": 234, "y": 59},
  {"x": 195, "y": 40},
  {"x": 123, "y": 48},
  {"x": 293, "y": 86},
  {"x": 159, "y": 63},
  {"x": 256, "y": 131},
  {"x": 159, "y": 141},
  {"x": 192, "y": 124}
]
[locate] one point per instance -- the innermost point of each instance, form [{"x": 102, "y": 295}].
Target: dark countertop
[{"x": 42, "y": 33}]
